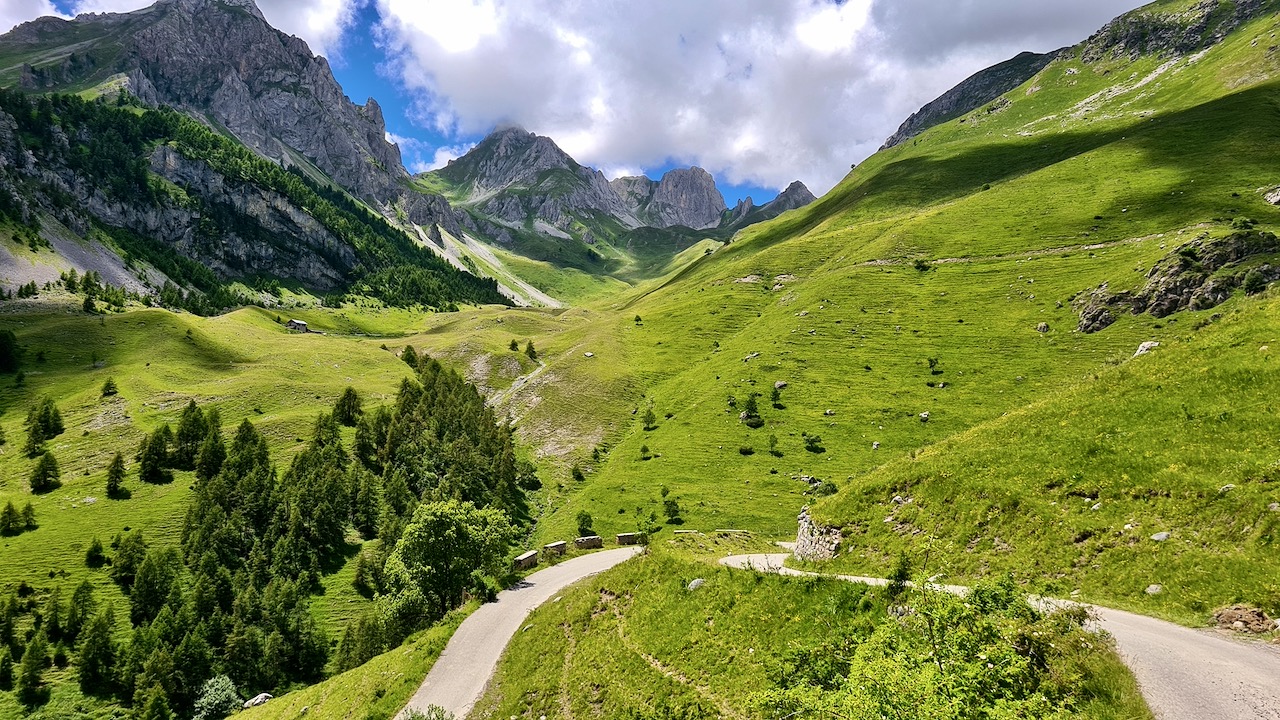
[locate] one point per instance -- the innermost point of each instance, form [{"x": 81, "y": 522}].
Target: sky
[{"x": 758, "y": 92}]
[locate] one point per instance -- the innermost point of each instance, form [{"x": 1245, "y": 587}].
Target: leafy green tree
[
  {"x": 441, "y": 547},
  {"x": 218, "y": 699},
  {"x": 348, "y": 408},
  {"x": 751, "y": 412},
  {"x": 131, "y": 551},
  {"x": 10, "y": 352},
  {"x": 585, "y": 523},
  {"x": 650, "y": 420},
  {"x": 213, "y": 451},
  {"x": 45, "y": 476},
  {"x": 109, "y": 388},
  {"x": 30, "y": 683},
  {"x": 671, "y": 509},
  {"x": 115, "y": 479}
]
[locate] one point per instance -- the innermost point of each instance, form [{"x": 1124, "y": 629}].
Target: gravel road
[{"x": 459, "y": 677}]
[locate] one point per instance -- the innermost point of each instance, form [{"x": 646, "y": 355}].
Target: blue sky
[{"x": 757, "y": 92}]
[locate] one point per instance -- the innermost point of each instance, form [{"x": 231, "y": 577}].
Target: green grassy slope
[{"x": 1015, "y": 211}]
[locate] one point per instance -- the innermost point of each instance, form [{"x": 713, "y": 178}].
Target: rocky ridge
[
  {"x": 746, "y": 213},
  {"x": 685, "y": 197}
]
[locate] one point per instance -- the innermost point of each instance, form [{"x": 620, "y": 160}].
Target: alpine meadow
[{"x": 294, "y": 423}]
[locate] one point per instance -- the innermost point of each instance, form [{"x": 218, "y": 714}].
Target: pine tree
[
  {"x": 44, "y": 477},
  {"x": 528, "y": 350},
  {"x": 29, "y": 517},
  {"x": 348, "y": 408},
  {"x": 156, "y": 705},
  {"x": 6, "y": 668},
  {"x": 515, "y": 345},
  {"x": 115, "y": 477},
  {"x": 410, "y": 356},
  {"x": 109, "y": 388},
  {"x": 213, "y": 451},
  {"x": 52, "y": 614},
  {"x": 153, "y": 458},
  {"x": 10, "y": 521},
  {"x": 97, "y": 654},
  {"x": 30, "y": 682},
  {"x": 192, "y": 429},
  {"x": 79, "y": 610}
]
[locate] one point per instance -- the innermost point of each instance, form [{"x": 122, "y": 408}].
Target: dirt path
[
  {"x": 458, "y": 679},
  {"x": 1185, "y": 674}
]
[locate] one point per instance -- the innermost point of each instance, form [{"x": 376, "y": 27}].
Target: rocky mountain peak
[
  {"x": 508, "y": 157},
  {"x": 685, "y": 197}
]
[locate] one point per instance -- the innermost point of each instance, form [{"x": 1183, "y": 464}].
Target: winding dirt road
[
  {"x": 459, "y": 677},
  {"x": 1184, "y": 674}
]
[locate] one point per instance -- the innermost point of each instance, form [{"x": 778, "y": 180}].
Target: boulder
[
  {"x": 1042, "y": 328},
  {"x": 257, "y": 700},
  {"x": 1161, "y": 536},
  {"x": 1154, "y": 589},
  {"x": 699, "y": 582},
  {"x": 1145, "y": 348},
  {"x": 780, "y": 385}
]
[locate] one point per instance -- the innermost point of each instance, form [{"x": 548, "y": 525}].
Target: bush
[
  {"x": 671, "y": 509},
  {"x": 218, "y": 699},
  {"x": 747, "y": 450},
  {"x": 813, "y": 444},
  {"x": 109, "y": 388},
  {"x": 585, "y": 523},
  {"x": 1254, "y": 282},
  {"x": 95, "y": 557}
]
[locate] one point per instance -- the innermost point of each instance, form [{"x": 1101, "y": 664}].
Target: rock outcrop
[
  {"x": 1158, "y": 31},
  {"x": 814, "y": 541},
  {"x": 1190, "y": 278}
]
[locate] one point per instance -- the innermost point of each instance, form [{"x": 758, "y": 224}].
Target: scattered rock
[
  {"x": 1226, "y": 489},
  {"x": 1273, "y": 197},
  {"x": 1145, "y": 348},
  {"x": 876, "y": 446},
  {"x": 1244, "y": 619},
  {"x": 1096, "y": 507},
  {"x": 1042, "y": 328},
  {"x": 748, "y": 280},
  {"x": 924, "y": 417},
  {"x": 1154, "y": 589},
  {"x": 257, "y": 700},
  {"x": 751, "y": 357},
  {"x": 829, "y": 413},
  {"x": 699, "y": 582},
  {"x": 898, "y": 500},
  {"x": 780, "y": 385},
  {"x": 1161, "y": 536},
  {"x": 590, "y": 354},
  {"x": 1274, "y": 507}
]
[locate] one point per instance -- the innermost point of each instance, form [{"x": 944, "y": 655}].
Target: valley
[{"x": 1025, "y": 347}]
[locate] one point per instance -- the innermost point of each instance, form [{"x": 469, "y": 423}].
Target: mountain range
[{"x": 514, "y": 191}]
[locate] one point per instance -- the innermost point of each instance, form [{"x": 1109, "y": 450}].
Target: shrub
[
  {"x": 585, "y": 524},
  {"x": 813, "y": 443},
  {"x": 747, "y": 450},
  {"x": 1254, "y": 282},
  {"x": 514, "y": 346},
  {"x": 109, "y": 388},
  {"x": 95, "y": 557},
  {"x": 671, "y": 509},
  {"x": 218, "y": 699}
]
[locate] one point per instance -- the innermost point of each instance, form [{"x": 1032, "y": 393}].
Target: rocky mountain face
[
  {"x": 220, "y": 60},
  {"x": 685, "y": 197},
  {"x": 978, "y": 90},
  {"x": 514, "y": 176}
]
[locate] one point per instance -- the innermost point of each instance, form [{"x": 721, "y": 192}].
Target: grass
[
  {"x": 1067, "y": 493},
  {"x": 637, "y": 642}
]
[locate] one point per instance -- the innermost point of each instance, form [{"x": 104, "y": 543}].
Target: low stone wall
[
  {"x": 814, "y": 541},
  {"x": 590, "y": 542}
]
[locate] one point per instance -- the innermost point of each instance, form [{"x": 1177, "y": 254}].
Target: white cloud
[
  {"x": 320, "y": 22},
  {"x": 443, "y": 156},
  {"x": 13, "y": 12},
  {"x": 757, "y": 91}
]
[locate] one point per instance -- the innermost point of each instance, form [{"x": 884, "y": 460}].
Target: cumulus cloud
[
  {"x": 757, "y": 91},
  {"x": 320, "y": 22},
  {"x": 13, "y": 12}
]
